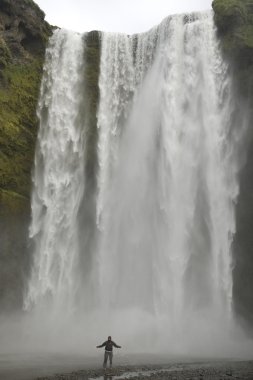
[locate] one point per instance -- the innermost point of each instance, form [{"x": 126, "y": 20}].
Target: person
[{"x": 109, "y": 344}]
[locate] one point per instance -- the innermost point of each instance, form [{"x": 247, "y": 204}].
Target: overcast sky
[{"x": 128, "y": 16}]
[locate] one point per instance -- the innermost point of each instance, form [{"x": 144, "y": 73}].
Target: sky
[{"x": 125, "y": 16}]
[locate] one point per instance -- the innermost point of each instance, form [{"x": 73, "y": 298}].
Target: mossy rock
[
  {"x": 244, "y": 36},
  {"x": 23, "y": 39},
  {"x": 18, "y": 125},
  {"x": 229, "y": 14},
  {"x": 5, "y": 55},
  {"x": 238, "y": 45},
  {"x": 12, "y": 203}
]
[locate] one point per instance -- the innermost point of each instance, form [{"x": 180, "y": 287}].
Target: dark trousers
[{"x": 108, "y": 354}]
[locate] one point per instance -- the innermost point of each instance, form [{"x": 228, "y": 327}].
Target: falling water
[
  {"x": 59, "y": 174},
  {"x": 166, "y": 183},
  {"x": 167, "y": 180}
]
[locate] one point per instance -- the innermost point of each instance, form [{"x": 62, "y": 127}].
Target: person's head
[{"x": 109, "y": 337}]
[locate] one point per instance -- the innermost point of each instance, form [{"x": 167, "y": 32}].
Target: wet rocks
[{"x": 189, "y": 371}]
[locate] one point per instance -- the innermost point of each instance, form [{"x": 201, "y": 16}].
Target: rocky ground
[{"x": 189, "y": 371}]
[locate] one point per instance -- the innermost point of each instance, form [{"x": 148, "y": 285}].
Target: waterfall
[
  {"x": 166, "y": 183},
  {"x": 58, "y": 174}
]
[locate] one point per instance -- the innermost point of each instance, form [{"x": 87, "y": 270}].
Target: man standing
[{"x": 109, "y": 344}]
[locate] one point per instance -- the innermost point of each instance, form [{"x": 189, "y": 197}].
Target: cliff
[{"x": 234, "y": 19}]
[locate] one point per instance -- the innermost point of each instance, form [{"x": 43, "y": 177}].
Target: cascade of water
[
  {"x": 58, "y": 174},
  {"x": 117, "y": 63},
  {"x": 166, "y": 243},
  {"x": 166, "y": 181}
]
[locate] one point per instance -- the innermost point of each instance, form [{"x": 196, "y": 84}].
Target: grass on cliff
[
  {"x": 5, "y": 54},
  {"x": 18, "y": 124}
]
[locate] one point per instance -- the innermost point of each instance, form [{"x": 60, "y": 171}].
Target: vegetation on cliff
[
  {"x": 23, "y": 37},
  {"x": 18, "y": 125}
]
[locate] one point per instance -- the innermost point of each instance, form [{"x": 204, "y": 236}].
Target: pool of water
[{"x": 129, "y": 375}]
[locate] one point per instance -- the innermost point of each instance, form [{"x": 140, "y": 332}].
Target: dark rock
[
  {"x": 234, "y": 19},
  {"x": 229, "y": 14},
  {"x": 23, "y": 27}
]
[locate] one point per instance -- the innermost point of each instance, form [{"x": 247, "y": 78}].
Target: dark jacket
[{"x": 109, "y": 344}]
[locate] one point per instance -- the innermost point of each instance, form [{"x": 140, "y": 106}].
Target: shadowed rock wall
[{"x": 234, "y": 19}]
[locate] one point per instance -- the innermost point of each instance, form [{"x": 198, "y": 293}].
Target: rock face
[
  {"x": 234, "y": 19},
  {"x": 23, "y": 38},
  {"x": 23, "y": 27}
]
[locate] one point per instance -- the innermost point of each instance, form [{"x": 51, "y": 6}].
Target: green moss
[
  {"x": 18, "y": 125},
  {"x": 5, "y": 54},
  {"x": 229, "y": 13},
  {"x": 239, "y": 41},
  {"x": 11, "y": 202},
  {"x": 244, "y": 36}
]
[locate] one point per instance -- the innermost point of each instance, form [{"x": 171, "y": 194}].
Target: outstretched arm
[
  {"x": 115, "y": 345},
  {"x": 102, "y": 345}
]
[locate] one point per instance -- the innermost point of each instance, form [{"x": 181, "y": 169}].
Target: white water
[
  {"x": 167, "y": 180},
  {"x": 58, "y": 176},
  {"x": 166, "y": 188}
]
